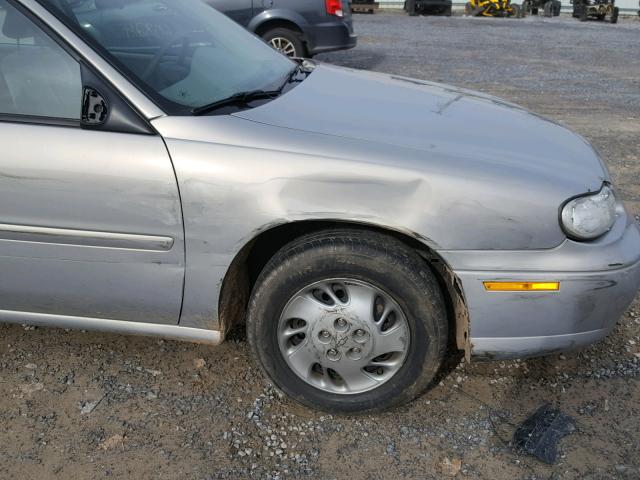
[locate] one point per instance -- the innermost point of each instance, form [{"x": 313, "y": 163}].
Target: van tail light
[{"x": 334, "y": 7}]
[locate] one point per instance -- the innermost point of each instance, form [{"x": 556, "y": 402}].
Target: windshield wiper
[
  {"x": 243, "y": 98},
  {"x": 240, "y": 99}
]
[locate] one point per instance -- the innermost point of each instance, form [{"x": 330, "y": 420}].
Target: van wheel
[
  {"x": 288, "y": 42},
  {"x": 348, "y": 321}
]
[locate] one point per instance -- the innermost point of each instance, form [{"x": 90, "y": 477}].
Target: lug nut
[
  {"x": 341, "y": 325},
  {"x": 360, "y": 336},
  {"x": 324, "y": 336},
  {"x": 333, "y": 354},
  {"x": 354, "y": 353}
]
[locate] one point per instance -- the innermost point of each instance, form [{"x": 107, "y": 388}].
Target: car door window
[
  {"x": 37, "y": 77},
  {"x": 182, "y": 53}
]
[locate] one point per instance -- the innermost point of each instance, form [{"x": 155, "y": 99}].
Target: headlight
[{"x": 590, "y": 216}]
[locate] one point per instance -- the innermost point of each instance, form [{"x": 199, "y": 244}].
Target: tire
[
  {"x": 534, "y": 11},
  {"x": 516, "y": 11},
  {"x": 577, "y": 8},
  {"x": 289, "y": 40},
  {"x": 351, "y": 261},
  {"x": 557, "y": 7},
  {"x": 548, "y": 9},
  {"x": 584, "y": 13},
  {"x": 614, "y": 15},
  {"x": 526, "y": 8},
  {"x": 447, "y": 11}
]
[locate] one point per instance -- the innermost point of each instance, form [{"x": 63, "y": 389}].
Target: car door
[
  {"x": 90, "y": 219},
  {"x": 239, "y": 10}
]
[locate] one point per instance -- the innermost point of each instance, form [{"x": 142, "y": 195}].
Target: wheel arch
[
  {"x": 271, "y": 23},
  {"x": 277, "y": 23},
  {"x": 249, "y": 261},
  {"x": 278, "y": 18}
]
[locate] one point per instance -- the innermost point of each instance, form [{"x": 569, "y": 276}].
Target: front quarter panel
[
  {"x": 238, "y": 178},
  {"x": 232, "y": 192}
]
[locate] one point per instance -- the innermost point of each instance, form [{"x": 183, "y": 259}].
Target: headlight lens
[{"x": 590, "y": 216}]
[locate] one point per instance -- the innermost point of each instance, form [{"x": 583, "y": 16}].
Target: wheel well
[
  {"x": 253, "y": 257},
  {"x": 279, "y": 23}
]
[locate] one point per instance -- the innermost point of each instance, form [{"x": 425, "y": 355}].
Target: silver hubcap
[
  {"x": 343, "y": 336},
  {"x": 283, "y": 46}
]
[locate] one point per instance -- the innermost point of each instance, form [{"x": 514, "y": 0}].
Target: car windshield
[{"x": 183, "y": 53}]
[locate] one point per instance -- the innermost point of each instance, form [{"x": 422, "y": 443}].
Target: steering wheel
[{"x": 155, "y": 61}]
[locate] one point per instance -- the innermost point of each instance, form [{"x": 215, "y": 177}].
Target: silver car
[{"x": 164, "y": 172}]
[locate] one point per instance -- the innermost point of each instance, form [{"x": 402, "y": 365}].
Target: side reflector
[{"x": 522, "y": 286}]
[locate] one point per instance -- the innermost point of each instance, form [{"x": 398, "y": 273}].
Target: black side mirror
[{"x": 94, "y": 108}]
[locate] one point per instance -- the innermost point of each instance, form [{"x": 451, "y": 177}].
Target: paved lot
[{"x": 88, "y": 405}]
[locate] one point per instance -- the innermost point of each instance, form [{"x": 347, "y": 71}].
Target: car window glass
[
  {"x": 37, "y": 77},
  {"x": 183, "y": 53}
]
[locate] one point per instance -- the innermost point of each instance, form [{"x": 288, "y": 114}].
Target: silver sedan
[{"x": 164, "y": 172}]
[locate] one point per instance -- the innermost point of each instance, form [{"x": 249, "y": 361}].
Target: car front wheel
[
  {"x": 286, "y": 41},
  {"x": 348, "y": 321}
]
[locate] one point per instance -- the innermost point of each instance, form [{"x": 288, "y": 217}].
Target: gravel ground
[{"x": 89, "y": 405}]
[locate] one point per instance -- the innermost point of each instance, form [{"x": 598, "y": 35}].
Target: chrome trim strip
[
  {"x": 174, "y": 332},
  {"x": 85, "y": 238}
]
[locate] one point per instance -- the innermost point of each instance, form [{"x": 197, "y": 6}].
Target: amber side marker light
[{"x": 521, "y": 286}]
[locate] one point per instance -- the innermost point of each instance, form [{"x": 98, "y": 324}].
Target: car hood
[
  {"x": 461, "y": 170},
  {"x": 415, "y": 114}
]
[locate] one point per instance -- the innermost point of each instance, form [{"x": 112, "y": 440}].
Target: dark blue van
[{"x": 298, "y": 28}]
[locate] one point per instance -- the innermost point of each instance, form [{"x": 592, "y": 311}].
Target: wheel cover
[
  {"x": 343, "y": 335},
  {"x": 283, "y": 46}
]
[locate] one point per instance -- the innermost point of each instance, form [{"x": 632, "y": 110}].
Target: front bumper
[{"x": 598, "y": 281}]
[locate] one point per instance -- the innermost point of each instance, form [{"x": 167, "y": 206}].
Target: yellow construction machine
[{"x": 492, "y": 8}]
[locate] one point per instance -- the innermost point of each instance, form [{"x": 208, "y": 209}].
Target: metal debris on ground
[{"x": 538, "y": 435}]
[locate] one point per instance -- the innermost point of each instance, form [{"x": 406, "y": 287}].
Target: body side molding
[
  {"x": 86, "y": 238},
  {"x": 174, "y": 332}
]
